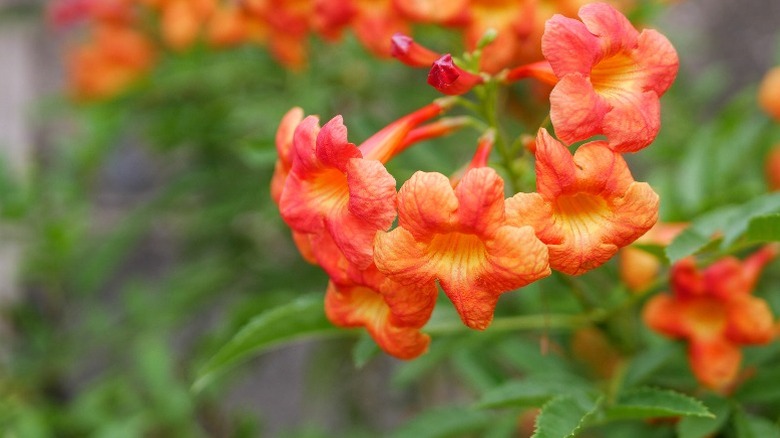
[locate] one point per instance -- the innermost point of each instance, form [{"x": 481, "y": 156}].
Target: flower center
[
  {"x": 705, "y": 318},
  {"x": 457, "y": 253},
  {"x": 332, "y": 190},
  {"x": 583, "y": 212},
  {"x": 614, "y": 75}
]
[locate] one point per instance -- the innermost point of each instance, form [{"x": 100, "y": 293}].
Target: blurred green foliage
[{"x": 112, "y": 332}]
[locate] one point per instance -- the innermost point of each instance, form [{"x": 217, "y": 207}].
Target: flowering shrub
[{"x": 463, "y": 184}]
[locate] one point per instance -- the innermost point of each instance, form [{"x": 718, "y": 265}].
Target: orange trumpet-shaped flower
[
  {"x": 359, "y": 305},
  {"x": 714, "y": 311},
  {"x": 587, "y": 206},
  {"x": 336, "y": 188},
  {"x": 460, "y": 237},
  {"x": 610, "y": 77}
]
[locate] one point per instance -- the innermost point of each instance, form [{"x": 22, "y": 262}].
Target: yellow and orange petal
[
  {"x": 460, "y": 238},
  {"x": 361, "y": 306},
  {"x": 769, "y": 93},
  {"x": 587, "y": 206},
  {"x": 611, "y": 77}
]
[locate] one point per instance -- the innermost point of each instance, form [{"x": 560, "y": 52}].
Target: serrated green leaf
[
  {"x": 364, "y": 350},
  {"x": 702, "y": 427},
  {"x": 649, "y": 402},
  {"x": 564, "y": 416},
  {"x": 444, "y": 422},
  {"x": 764, "y": 228},
  {"x": 533, "y": 390},
  {"x": 303, "y": 317}
]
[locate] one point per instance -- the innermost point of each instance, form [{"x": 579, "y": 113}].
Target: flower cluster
[
  {"x": 462, "y": 233},
  {"x": 284, "y": 27},
  {"x": 714, "y": 311}
]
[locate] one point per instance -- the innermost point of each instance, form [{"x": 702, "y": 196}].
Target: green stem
[{"x": 523, "y": 322}]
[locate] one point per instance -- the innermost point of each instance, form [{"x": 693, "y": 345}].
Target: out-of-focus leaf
[
  {"x": 702, "y": 427},
  {"x": 649, "y": 402},
  {"x": 732, "y": 222},
  {"x": 648, "y": 361},
  {"x": 451, "y": 421},
  {"x": 752, "y": 426},
  {"x": 760, "y": 206},
  {"x": 762, "y": 388},
  {"x": 474, "y": 370},
  {"x": 301, "y": 318},
  {"x": 534, "y": 390},
  {"x": 364, "y": 350},
  {"x": 764, "y": 228},
  {"x": 564, "y": 416}
]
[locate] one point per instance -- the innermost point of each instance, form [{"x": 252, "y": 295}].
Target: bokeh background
[{"x": 138, "y": 233}]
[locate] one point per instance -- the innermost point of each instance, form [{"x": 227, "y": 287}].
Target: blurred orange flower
[
  {"x": 714, "y": 311},
  {"x": 769, "y": 93},
  {"x": 114, "y": 58}
]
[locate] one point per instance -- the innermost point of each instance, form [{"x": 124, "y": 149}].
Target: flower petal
[
  {"x": 357, "y": 306},
  {"x": 333, "y": 149},
  {"x": 555, "y": 169},
  {"x": 480, "y": 201},
  {"x": 576, "y": 111},
  {"x": 633, "y": 121},
  {"x": 715, "y": 363},
  {"x": 658, "y": 61},
  {"x": 750, "y": 321},
  {"x": 426, "y": 204},
  {"x": 569, "y": 46},
  {"x": 615, "y": 33}
]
